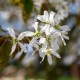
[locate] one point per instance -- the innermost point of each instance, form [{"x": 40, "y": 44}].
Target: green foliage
[
  {"x": 28, "y": 4},
  {"x": 65, "y": 78},
  {"x": 4, "y": 53}
]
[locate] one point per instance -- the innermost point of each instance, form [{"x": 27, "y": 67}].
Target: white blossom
[
  {"x": 35, "y": 35},
  {"x": 61, "y": 6},
  {"x": 47, "y": 52},
  {"x": 16, "y": 40},
  {"x": 38, "y": 4},
  {"x": 45, "y": 36},
  {"x": 23, "y": 49},
  {"x": 46, "y": 17},
  {"x": 63, "y": 31}
]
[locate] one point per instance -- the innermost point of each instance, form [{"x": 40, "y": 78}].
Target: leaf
[
  {"x": 28, "y": 4},
  {"x": 4, "y": 53}
]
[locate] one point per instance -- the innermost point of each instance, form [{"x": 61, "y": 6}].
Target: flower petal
[
  {"x": 18, "y": 54},
  {"x": 47, "y": 31},
  {"x": 56, "y": 34},
  {"x": 51, "y": 18},
  {"x": 13, "y": 48},
  {"x": 49, "y": 58},
  {"x": 54, "y": 44},
  {"x": 35, "y": 26},
  {"x": 56, "y": 54},
  {"x": 21, "y": 36},
  {"x": 46, "y": 15},
  {"x": 33, "y": 42},
  {"x": 42, "y": 60},
  {"x": 42, "y": 40},
  {"x": 11, "y": 32},
  {"x": 66, "y": 37},
  {"x": 41, "y": 54},
  {"x": 65, "y": 28},
  {"x": 39, "y": 17},
  {"x": 63, "y": 41},
  {"x": 23, "y": 47},
  {"x": 29, "y": 34}
]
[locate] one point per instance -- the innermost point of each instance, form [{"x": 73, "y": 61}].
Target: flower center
[
  {"x": 47, "y": 22},
  {"x": 57, "y": 26},
  {"x": 48, "y": 38},
  {"x": 48, "y": 52},
  {"x": 15, "y": 40},
  {"x": 37, "y": 33}
]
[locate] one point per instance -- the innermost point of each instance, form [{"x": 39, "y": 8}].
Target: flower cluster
[
  {"x": 62, "y": 8},
  {"x": 45, "y": 37}
]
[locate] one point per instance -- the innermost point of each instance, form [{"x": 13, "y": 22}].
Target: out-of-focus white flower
[
  {"x": 64, "y": 31},
  {"x": 16, "y": 40},
  {"x": 23, "y": 49},
  {"x": 47, "y": 51},
  {"x": 12, "y": 17},
  {"x": 47, "y": 18},
  {"x": 38, "y": 4},
  {"x": 69, "y": 59},
  {"x": 61, "y": 6}
]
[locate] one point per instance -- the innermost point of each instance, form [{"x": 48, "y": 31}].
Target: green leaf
[
  {"x": 28, "y": 4},
  {"x": 4, "y": 53}
]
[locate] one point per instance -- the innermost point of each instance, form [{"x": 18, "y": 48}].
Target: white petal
[
  {"x": 11, "y": 32},
  {"x": 56, "y": 34},
  {"x": 39, "y": 17},
  {"x": 33, "y": 41},
  {"x": 42, "y": 40},
  {"x": 46, "y": 15},
  {"x": 29, "y": 34},
  {"x": 35, "y": 26},
  {"x": 65, "y": 28},
  {"x": 18, "y": 54},
  {"x": 52, "y": 30},
  {"x": 66, "y": 37},
  {"x": 42, "y": 60},
  {"x": 20, "y": 44},
  {"x": 41, "y": 54},
  {"x": 49, "y": 58},
  {"x": 54, "y": 44},
  {"x": 43, "y": 29},
  {"x": 57, "y": 19},
  {"x": 56, "y": 54},
  {"x": 21, "y": 36},
  {"x": 63, "y": 41},
  {"x": 13, "y": 48},
  {"x": 64, "y": 32},
  {"x": 23, "y": 47},
  {"x": 51, "y": 18},
  {"x": 47, "y": 31}
]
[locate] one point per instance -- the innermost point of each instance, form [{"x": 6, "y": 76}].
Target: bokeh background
[{"x": 20, "y": 15}]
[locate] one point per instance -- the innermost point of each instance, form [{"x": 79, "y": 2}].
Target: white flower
[
  {"x": 47, "y": 52},
  {"x": 37, "y": 31},
  {"x": 35, "y": 35},
  {"x": 61, "y": 6},
  {"x": 16, "y": 40},
  {"x": 38, "y": 4},
  {"x": 63, "y": 31},
  {"x": 23, "y": 49},
  {"x": 47, "y": 18},
  {"x": 48, "y": 29},
  {"x": 50, "y": 39}
]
